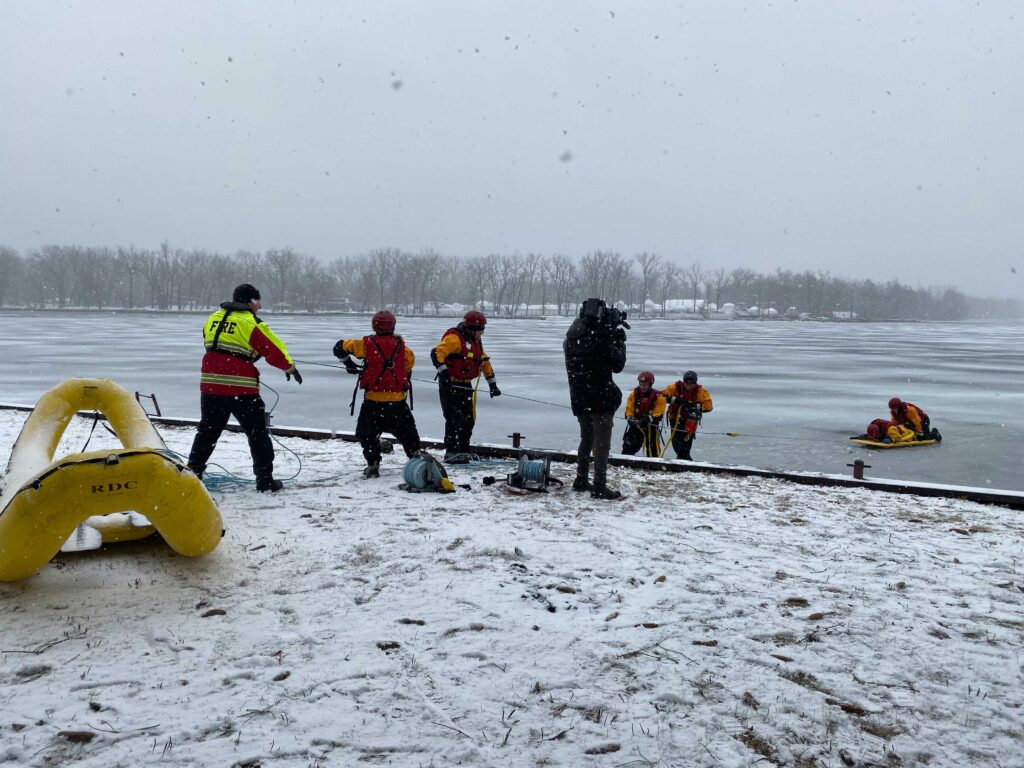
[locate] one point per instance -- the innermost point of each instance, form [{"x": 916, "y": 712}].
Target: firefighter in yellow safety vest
[{"x": 235, "y": 338}]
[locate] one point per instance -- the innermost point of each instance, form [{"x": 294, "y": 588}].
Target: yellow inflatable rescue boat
[{"x": 84, "y": 500}]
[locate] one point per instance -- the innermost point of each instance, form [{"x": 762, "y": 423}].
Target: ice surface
[{"x": 794, "y": 391}]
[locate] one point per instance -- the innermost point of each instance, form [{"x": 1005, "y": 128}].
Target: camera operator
[{"x": 595, "y": 348}]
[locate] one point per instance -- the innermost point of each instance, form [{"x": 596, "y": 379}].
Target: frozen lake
[{"x": 793, "y": 391}]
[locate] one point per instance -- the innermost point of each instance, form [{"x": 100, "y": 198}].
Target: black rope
[
  {"x": 95, "y": 421},
  {"x": 621, "y": 418}
]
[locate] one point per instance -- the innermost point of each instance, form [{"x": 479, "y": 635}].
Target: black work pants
[
  {"x": 457, "y": 407},
  {"x": 396, "y": 418},
  {"x": 641, "y": 436},
  {"x": 682, "y": 443},
  {"x": 251, "y": 414},
  {"x": 596, "y": 440}
]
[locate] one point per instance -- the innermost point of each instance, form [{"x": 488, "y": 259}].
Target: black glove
[
  {"x": 293, "y": 371},
  {"x": 495, "y": 392},
  {"x": 351, "y": 366},
  {"x": 644, "y": 420},
  {"x": 619, "y": 335},
  {"x": 339, "y": 350},
  {"x": 442, "y": 376}
]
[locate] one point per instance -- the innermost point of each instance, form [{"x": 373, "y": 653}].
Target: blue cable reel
[
  {"x": 425, "y": 474},
  {"x": 533, "y": 474}
]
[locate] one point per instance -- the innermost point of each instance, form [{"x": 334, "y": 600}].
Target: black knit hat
[{"x": 245, "y": 293}]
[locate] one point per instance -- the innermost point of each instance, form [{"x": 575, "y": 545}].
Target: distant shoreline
[{"x": 632, "y": 319}]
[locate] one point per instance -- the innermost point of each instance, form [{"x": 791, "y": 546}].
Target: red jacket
[{"x": 228, "y": 366}]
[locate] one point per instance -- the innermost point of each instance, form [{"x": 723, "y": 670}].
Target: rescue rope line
[
  {"x": 569, "y": 407},
  {"x": 433, "y": 381},
  {"x": 766, "y": 437},
  {"x": 671, "y": 436},
  {"x": 226, "y": 479}
]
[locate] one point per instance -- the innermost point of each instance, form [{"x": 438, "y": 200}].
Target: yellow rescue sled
[
  {"x": 875, "y": 444},
  {"x": 84, "y": 500}
]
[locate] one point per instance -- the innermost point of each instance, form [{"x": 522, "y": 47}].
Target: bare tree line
[{"x": 429, "y": 282}]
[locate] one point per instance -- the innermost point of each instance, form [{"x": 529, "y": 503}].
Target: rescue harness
[
  {"x": 377, "y": 363},
  {"x": 215, "y": 346}
]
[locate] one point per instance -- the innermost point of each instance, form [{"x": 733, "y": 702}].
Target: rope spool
[
  {"x": 532, "y": 475},
  {"x": 424, "y": 474},
  {"x": 535, "y": 470}
]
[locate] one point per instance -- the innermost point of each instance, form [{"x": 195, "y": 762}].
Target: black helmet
[
  {"x": 690, "y": 377},
  {"x": 245, "y": 293}
]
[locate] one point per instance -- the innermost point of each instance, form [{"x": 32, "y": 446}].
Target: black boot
[
  {"x": 602, "y": 491},
  {"x": 268, "y": 483},
  {"x": 581, "y": 484},
  {"x": 372, "y": 470},
  {"x": 198, "y": 471}
]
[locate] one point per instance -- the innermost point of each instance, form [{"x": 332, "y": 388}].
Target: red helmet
[
  {"x": 877, "y": 429},
  {"x": 895, "y": 403},
  {"x": 383, "y": 322},
  {"x": 646, "y": 378},
  {"x": 474, "y": 320}
]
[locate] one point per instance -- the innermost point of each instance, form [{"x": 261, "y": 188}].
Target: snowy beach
[{"x": 701, "y": 621}]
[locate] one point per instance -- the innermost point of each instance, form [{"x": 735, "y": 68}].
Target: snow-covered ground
[{"x": 701, "y": 621}]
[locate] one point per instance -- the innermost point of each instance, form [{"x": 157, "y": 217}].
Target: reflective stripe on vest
[{"x": 224, "y": 380}]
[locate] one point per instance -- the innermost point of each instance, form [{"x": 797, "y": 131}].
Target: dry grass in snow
[{"x": 702, "y": 621}]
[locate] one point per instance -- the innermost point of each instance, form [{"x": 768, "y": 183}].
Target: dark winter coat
[{"x": 592, "y": 355}]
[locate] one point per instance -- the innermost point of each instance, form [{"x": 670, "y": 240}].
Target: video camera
[
  {"x": 595, "y": 311},
  {"x": 616, "y": 318}
]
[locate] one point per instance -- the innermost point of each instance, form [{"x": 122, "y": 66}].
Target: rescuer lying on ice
[
  {"x": 688, "y": 401},
  {"x": 884, "y": 431},
  {"x": 912, "y": 417},
  {"x": 459, "y": 359},
  {"x": 235, "y": 338},
  {"x": 384, "y": 378},
  {"x": 645, "y": 408}
]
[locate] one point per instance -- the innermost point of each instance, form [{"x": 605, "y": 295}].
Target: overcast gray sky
[{"x": 870, "y": 138}]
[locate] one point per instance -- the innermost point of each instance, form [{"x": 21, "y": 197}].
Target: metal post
[
  {"x": 858, "y": 469},
  {"x": 516, "y": 439}
]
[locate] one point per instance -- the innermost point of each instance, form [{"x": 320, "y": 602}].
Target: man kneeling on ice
[
  {"x": 912, "y": 417},
  {"x": 384, "y": 378}
]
